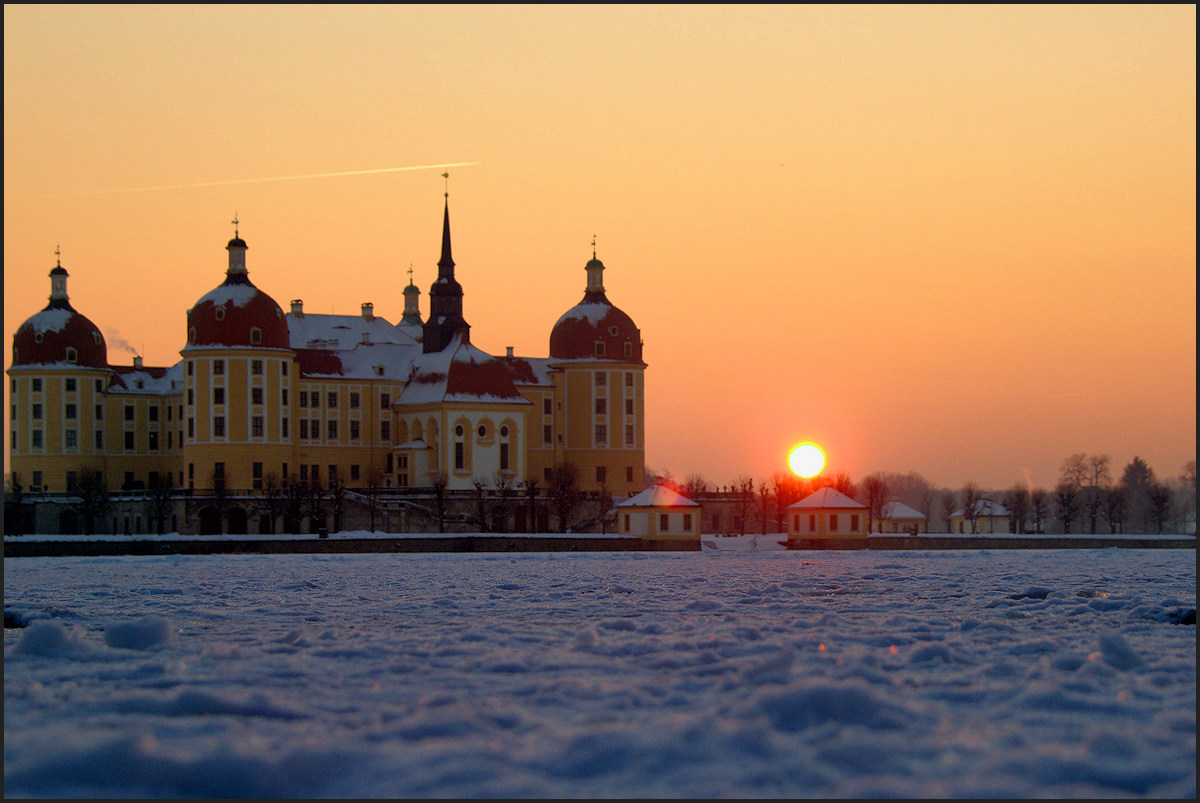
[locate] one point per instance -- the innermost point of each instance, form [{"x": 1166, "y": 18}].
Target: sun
[{"x": 807, "y": 460}]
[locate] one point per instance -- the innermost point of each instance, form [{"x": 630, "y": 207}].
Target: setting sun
[{"x": 807, "y": 460}]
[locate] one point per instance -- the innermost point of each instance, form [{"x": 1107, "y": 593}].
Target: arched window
[
  {"x": 72, "y": 355},
  {"x": 220, "y": 313},
  {"x": 192, "y": 334},
  {"x": 255, "y": 335}
]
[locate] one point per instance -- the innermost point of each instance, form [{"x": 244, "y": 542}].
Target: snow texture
[
  {"x": 731, "y": 672},
  {"x": 238, "y": 294},
  {"x": 50, "y": 320}
]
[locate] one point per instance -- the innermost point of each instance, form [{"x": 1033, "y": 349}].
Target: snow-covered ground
[{"x": 730, "y": 672}]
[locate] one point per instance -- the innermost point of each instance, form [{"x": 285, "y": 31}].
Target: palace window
[
  {"x": 70, "y": 384},
  {"x": 256, "y": 395},
  {"x": 72, "y": 355},
  {"x": 129, "y": 441},
  {"x": 354, "y": 434},
  {"x": 256, "y": 367},
  {"x": 37, "y": 411},
  {"x": 219, "y": 426},
  {"x": 332, "y": 430},
  {"x": 218, "y": 395},
  {"x": 256, "y": 426},
  {"x": 153, "y": 440},
  {"x": 218, "y": 367},
  {"x": 255, "y": 335},
  {"x": 601, "y": 406},
  {"x": 353, "y": 401},
  {"x": 599, "y": 348},
  {"x": 129, "y": 412},
  {"x": 71, "y": 437}
]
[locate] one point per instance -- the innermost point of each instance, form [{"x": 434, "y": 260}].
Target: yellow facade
[{"x": 242, "y": 415}]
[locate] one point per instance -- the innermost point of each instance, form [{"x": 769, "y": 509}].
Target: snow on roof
[
  {"x": 591, "y": 311},
  {"x": 239, "y": 294},
  {"x": 529, "y": 370},
  {"x": 460, "y": 373},
  {"x": 342, "y": 332},
  {"x": 392, "y": 361},
  {"x": 899, "y": 510},
  {"x": 983, "y": 507},
  {"x": 50, "y": 320},
  {"x": 657, "y": 496},
  {"x": 149, "y": 380},
  {"x": 826, "y": 498}
]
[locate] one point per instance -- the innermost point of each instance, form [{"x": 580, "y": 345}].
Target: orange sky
[{"x": 953, "y": 240}]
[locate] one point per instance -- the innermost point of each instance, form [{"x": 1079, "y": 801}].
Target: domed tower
[
  {"x": 59, "y": 374},
  {"x": 238, "y": 372},
  {"x": 599, "y": 420}
]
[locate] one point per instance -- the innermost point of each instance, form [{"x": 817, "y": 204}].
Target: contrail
[{"x": 258, "y": 180}]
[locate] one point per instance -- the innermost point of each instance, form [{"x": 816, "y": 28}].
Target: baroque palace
[{"x": 263, "y": 400}]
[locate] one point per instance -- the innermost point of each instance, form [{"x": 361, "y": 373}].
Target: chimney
[
  {"x": 297, "y": 308},
  {"x": 368, "y": 311},
  {"x": 509, "y": 352},
  {"x": 137, "y": 362}
]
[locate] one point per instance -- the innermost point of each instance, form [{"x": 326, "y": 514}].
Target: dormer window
[
  {"x": 191, "y": 336},
  {"x": 612, "y": 330},
  {"x": 255, "y": 335},
  {"x": 38, "y": 337},
  {"x": 72, "y": 355},
  {"x": 628, "y": 349},
  {"x": 96, "y": 338},
  {"x": 599, "y": 348},
  {"x": 220, "y": 313}
]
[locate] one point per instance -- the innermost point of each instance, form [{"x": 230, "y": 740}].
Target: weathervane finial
[
  {"x": 410, "y": 273},
  {"x": 447, "y": 177},
  {"x": 235, "y": 225},
  {"x": 58, "y": 255},
  {"x": 593, "y": 246}
]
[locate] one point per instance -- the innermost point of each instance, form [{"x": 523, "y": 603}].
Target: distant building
[
  {"x": 898, "y": 517},
  {"x": 659, "y": 512},
  {"x": 990, "y": 517},
  {"x": 826, "y": 513},
  {"x": 263, "y": 399}
]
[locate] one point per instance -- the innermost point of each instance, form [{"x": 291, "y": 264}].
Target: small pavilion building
[
  {"x": 660, "y": 513},
  {"x": 826, "y": 514},
  {"x": 898, "y": 517}
]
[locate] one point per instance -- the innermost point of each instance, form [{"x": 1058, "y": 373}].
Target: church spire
[{"x": 445, "y": 296}]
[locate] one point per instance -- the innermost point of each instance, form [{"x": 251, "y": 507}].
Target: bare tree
[
  {"x": 843, "y": 484},
  {"x": 531, "y": 493},
  {"x": 439, "y": 500},
  {"x": 272, "y": 493},
  {"x": 92, "y": 493},
  {"x": 949, "y": 505},
  {"x": 787, "y": 491},
  {"x": 743, "y": 502},
  {"x": 1074, "y": 471},
  {"x": 1116, "y": 508},
  {"x": 294, "y": 494},
  {"x": 764, "y": 504},
  {"x": 564, "y": 492},
  {"x": 480, "y": 502},
  {"x": 1039, "y": 508},
  {"x": 875, "y": 491},
  {"x": 1160, "y": 504},
  {"x": 162, "y": 493},
  {"x": 1017, "y": 502},
  {"x": 1098, "y": 479},
  {"x": 971, "y": 497},
  {"x": 504, "y": 489},
  {"x": 694, "y": 486},
  {"x": 1066, "y": 499},
  {"x": 374, "y": 475}
]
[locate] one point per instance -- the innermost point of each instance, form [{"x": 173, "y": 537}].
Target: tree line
[{"x": 1085, "y": 499}]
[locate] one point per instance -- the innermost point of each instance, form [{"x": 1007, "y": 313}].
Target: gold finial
[
  {"x": 593, "y": 246},
  {"x": 447, "y": 177},
  {"x": 58, "y": 255},
  {"x": 235, "y": 225},
  {"x": 410, "y": 273}
]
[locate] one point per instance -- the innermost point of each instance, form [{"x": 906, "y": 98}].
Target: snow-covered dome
[
  {"x": 59, "y": 334},
  {"x": 236, "y": 313},
  {"x": 594, "y": 328}
]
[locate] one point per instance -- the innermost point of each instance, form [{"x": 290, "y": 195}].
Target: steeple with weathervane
[{"x": 445, "y": 296}]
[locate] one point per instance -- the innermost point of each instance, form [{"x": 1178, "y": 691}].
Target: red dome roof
[
  {"x": 595, "y": 320},
  {"x": 231, "y": 314},
  {"x": 46, "y": 337}
]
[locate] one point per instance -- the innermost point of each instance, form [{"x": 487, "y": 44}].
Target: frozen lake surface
[{"x": 730, "y": 672}]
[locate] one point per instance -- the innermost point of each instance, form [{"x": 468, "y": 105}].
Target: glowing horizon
[{"x": 957, "y": 241}]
